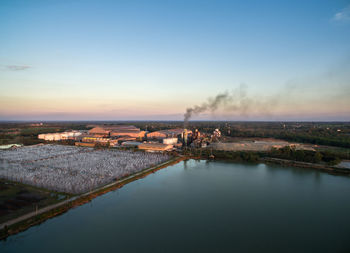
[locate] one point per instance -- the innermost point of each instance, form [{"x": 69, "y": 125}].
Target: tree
[{"x": 317, "y": 157}]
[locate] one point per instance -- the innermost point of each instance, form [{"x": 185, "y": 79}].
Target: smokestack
[{"x": 185, "y": 136}]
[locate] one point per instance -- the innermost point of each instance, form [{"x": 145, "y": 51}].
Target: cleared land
[
  {"x": 72, "y": 169},
  {"x": 257, "y": 145}
]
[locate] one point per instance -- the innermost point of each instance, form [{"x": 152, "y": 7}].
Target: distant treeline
[
  {"x": 337, "y": 141},
  {"x": 27, "y": 134},
  {"x": 320, "y": 133},
  {"x": 282, "y": 153}
]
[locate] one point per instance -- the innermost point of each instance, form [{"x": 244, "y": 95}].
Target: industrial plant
[
  {"x": 91, "y": 158},
  {"x": 115, "y": 136},
  {"x": 129, "y": 136},
  {"x": 78, "y": 166}
]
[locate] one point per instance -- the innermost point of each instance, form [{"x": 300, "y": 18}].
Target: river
[{"x": 201, "y": 206}]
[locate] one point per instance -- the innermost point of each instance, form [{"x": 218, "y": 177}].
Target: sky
[{"x": 151, "y": 60}]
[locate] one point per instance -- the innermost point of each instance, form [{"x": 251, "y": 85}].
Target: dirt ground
[{"x": 256, "y": 144}]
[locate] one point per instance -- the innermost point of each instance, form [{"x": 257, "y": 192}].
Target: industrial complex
[
  {"x": 129, "y": 136},
  {"x": 79, "y": 166},
  {"x": 125, "y": 136}
]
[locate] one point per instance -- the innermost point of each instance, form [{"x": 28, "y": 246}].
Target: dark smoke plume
[
  {"x": 331, "y": 88},
  {"x": 210, "y": 105},
  {"x": 236, "y": 101}
]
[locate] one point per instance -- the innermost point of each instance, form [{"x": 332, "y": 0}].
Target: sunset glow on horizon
[{"x": 150, "y": 60}]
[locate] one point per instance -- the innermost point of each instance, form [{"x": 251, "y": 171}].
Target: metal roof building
[
  {"x": 155, "y": 147},
  {"x": 166, "y": 133}
]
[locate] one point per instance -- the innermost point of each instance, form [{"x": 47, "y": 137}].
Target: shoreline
[
  {"x": 28, "y": 220},
  {"x": 306, "y": 165},
  {"x": 285, "y": 162}
]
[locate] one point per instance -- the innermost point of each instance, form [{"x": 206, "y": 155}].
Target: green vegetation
[
  {"x": 282, "y": 153},
  {"x": 17, "y": 199},
  {"x": 237, "y": 156},
  {"x": 27, "y": 133},
  {"x": 305, "y": 156},
  {"x": 320, "y": 133}
]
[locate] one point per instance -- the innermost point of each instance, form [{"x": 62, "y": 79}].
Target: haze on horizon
[{"x": 151, "y": 60}]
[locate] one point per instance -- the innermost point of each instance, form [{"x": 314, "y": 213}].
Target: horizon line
[{"x": 42, "y": 121}]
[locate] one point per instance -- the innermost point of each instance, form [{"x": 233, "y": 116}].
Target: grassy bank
[
  {"x": 315, "y": 166},
  {"x": 322, "y": 157},
  {"x": 18, "y": 199},
  {"x": 321, "y": 160}
]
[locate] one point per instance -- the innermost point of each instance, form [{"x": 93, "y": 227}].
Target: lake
[{"x": 201, "y": 206}]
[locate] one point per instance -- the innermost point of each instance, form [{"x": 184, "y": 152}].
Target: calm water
[{"x": 199, "y": 206}]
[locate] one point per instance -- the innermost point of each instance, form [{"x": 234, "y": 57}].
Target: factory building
[
  {"x": 99, "y": 132},
  {"x": 196, "y": 134},
  {"x": 162, "y": 134},
  {"x": 184, "y": 137},
  {"x": 131, "y": 144},
  {"x": 113, "y": 143},
  {"x": 10, "y": 146},
  {"x": 129, "y": 133},
  {"x": 156, "y": 147},
  {"x": 171, "y": 141},
  {"x": 117, "y": 131},
  {"x": 217, "y": 133},
  {"x": 95, "y": 139},
  {"x": 59, "y": 136},
  {"x": 122, "y": 139},
  {"x": 100, "y": 140},
  {"x": 85, "y": 144}
]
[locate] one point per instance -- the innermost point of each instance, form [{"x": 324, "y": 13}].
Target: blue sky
[{"x": 121, "y": 60}]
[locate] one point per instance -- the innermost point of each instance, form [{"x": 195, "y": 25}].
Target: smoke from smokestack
[
  {"x": 324, "y": 94},
  {"x": 234, "y": 101},
  {"x": 207, "y": 106}
]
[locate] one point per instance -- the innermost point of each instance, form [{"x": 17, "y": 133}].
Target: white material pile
[{"x": 72, "y": 169}]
